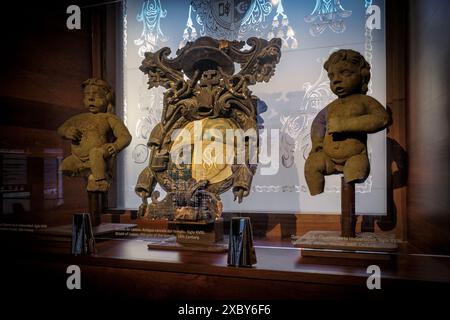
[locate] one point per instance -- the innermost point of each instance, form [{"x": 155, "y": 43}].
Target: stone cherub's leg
[
  {"x": 316, "y": 167},
  {"x": 98, "y": 163},
  {"x": 356, "y": 168},
  {"x": 97, "y": 180},
  {"x": 71, "y": 166}
]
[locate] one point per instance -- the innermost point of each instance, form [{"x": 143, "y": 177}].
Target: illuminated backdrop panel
[{"x": 310, "y": 30}]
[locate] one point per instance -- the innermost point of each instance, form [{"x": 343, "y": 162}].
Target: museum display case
[{"x": 275, "y": 149}]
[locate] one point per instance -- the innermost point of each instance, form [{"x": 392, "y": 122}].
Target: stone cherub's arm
[
  {"x": 120, "y": 131},
  {"x": 69, "y": 131},
  {"x": 318, "y": 130},
  {"x": 375, "y": 119}
]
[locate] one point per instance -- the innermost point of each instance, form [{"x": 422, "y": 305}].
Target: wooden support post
[
  {"x": 96, "y": 206},
  {"x": 348, "y": 218}
]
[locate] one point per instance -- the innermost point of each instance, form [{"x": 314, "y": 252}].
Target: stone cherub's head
[
  {"x": 98, "y": 96},
  {"x": 348, "y": 71}
]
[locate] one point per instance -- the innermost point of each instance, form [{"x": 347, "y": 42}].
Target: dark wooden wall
[
  {"x": 428, "y": 126},
  {"x": 397, "y": 162},
  {"x": 43, "y": 65}
]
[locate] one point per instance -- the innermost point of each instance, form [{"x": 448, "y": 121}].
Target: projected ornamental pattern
[
  {"x": 281, "y": 28},
  {"x": 327, "y": 13},
  {"x": 151, "y": 36}
]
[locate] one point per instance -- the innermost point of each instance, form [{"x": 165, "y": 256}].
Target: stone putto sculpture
[
  {"x": 339, "y": 131},
  {"x": 96, "y": 137}
]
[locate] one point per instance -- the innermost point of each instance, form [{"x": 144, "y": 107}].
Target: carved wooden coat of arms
[{"x": 207, "y": 140}]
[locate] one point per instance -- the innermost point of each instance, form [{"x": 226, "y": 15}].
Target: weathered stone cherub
[
  {"x": 97, "y": 136},
  {"x": 339, "y": 131}
]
